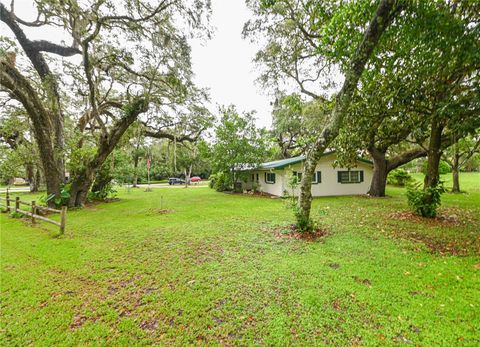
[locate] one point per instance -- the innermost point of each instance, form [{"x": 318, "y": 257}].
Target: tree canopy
[{"x": 129, "y": 58}]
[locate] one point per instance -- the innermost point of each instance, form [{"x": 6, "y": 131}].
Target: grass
[{"x": 210, "y": 270}]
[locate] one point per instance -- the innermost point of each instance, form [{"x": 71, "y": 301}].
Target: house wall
[
  {"x": 270, "y": 188},
  {"x": 329, "y": 185}
]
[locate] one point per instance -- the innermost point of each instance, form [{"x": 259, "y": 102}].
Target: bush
[
  {"x": 16, "y": 215},
  {"x": 60, "y": 201},
  {"x": 107, "y": 191},
  {"x": 222, "y": 182},
  {"x": 443, "y": 167},
  {"x": 212, "y": 180},
  {"x": 303, "y": 224},
  {"x": 399, "y": 177},
  {"x": 424, "y": 202}
]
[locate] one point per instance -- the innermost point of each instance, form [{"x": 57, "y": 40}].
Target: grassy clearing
[{"x": 211, "y": 271}]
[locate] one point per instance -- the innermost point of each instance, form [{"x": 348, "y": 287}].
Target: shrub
[
  {"x": 303, "y": 224},
  {"x": 212, "y": 180},
  {"x": 425, "y": 202},
  {"x": 16, "y": 214},
  {"x": 60, "y": 201},
  {"x": 107, "y": 191},
  {"x": 399, "y": 177},
  {"x": 443, "y": 167},
  {"x": 222, "y": 182}
]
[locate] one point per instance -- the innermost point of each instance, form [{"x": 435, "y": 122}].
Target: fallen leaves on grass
[
  {"x": 401, "y": 338},
  {"x": 93, "y": 203},
  {"x": 446, "y": 216},
  {"x": 78, "y": 321},
  {"x": 438, "y": 244},
  {"x": 364, "y": 281},
  {"x": 149, "y": 324},
  {"x": 429, "y": 231},
  {"x": 291, "y": 232},
  {"x": 161, "y": 211},
  {"x": 334, "y": 265},
  {"x": 337, "y": 305}
]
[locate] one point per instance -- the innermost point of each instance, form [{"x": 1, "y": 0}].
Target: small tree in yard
[
  {"x": 458, "y": 155},
  {"x": 309, "y": 38},
  {"x": 238, "y": 144}
]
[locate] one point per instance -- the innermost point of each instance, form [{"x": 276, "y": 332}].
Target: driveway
[{"x": 15, "y": 189}]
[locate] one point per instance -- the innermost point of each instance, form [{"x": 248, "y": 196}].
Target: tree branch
[
  {"x": 405, "y": 157},
  {"x": 46, "y": 46},
  {"x": 161, "y": 134}
]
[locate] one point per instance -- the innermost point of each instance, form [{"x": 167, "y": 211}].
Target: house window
[
  {"x": 257, "y": 178},
  {"x": 350, "y": 176},
  {"x": 317, "y": 177},
  {"x": 269, "y": 177},
  {"x": 298, "y": 175},
  {"x": 253, "y": 177}
]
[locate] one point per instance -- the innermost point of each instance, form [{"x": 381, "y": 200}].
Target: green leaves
[
  {"x": 425, "y": 202},
  {"x": 238, "y": 141}
]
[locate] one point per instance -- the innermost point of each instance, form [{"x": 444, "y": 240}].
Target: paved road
[{"x": 15, "y": 189}]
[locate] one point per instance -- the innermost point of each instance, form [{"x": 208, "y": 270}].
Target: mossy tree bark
[
  {"x": 47, "y": 116},
  {"x": 84, "y": 178},
  {"x": 384, "y": 14}
]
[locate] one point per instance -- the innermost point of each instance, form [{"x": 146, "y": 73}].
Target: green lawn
[{"x": 213, "y": 272}]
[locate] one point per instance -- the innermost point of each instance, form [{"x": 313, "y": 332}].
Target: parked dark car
[{"x": 174, "y": 180}]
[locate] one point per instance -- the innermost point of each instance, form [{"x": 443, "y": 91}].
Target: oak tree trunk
[
  {"x": 83, "y": 180},
  {"x": 29, "y": 170},
  {"x": 383, "y": 166},
  {"x": 434, "y": 154},
  {"x": 37, "y": 181},
  {"x": 379, "y": 178},
  {"x": 80, "y": 188},
  {"x": 135, "y": 171},
  {"x": 455, "y": 174},
  {"x": 47, "y": 117}
]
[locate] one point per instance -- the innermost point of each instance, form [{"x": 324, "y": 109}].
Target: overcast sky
[{"x": 222, "y": 64}]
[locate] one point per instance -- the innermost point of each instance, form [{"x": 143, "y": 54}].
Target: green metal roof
[{"x": 280, "y": 164}]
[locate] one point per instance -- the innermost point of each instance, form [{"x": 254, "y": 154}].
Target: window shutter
[
  {"x": 339, "y": 176},
  {"x": 361, "y": 176},
  {"x": 319, "y": 177},
  {"x": 265, "y": 177}
]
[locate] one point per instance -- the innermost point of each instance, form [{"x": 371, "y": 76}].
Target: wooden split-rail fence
[{"x": 13, "y": 205}]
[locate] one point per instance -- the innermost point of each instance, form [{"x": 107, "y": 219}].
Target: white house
[{"x": 272, "y": 177}]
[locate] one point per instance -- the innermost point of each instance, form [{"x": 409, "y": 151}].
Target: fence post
[
  {"x": 8, "y": 201},
  {"x": 63, "y": 219},
  {"x": 34, "y": 209},
  {"x": 17, "y": 204}
]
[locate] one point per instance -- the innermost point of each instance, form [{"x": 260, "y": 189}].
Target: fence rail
[{"x": 34, "y": 208}]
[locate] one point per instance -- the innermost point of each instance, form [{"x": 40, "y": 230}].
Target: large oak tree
[{"x": 129, "y": 58}]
